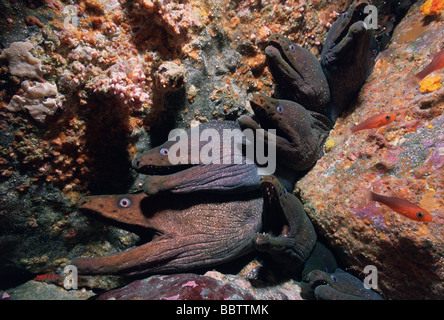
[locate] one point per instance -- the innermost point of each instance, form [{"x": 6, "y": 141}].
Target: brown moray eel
[
  {"x": 339, "y": 285},
  {"x": 298, "y": 75},
  {"x": 189, "y": 177},
  {"x": 290, "y": 237},
  {"x": 188, "y": 232},
  {"x": 300, "y": 133},
  {"x": 347, "y": 57}
]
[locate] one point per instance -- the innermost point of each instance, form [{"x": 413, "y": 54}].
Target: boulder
[{"x": 403, "y": 159}]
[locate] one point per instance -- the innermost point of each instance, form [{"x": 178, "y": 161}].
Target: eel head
[
  {"x": 277, "y": 114},
  {"x": 298, "y": 74},
  {"x": 346, "y": 25},
  {"x": 157, "y": 162},
  {"x": 290, "y": 236},
  {"x": 339, "y": 285},
  {"x": 286, "y": 58}
]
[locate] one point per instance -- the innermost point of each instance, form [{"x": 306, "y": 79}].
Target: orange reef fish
[
  {"x": 375, "y": 121},
  {"x": 47, "y": 276},
  {"x": 436, "y": 64},
  {"x": 402, "y": 206}
]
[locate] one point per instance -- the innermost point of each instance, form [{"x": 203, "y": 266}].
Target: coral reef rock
[
  {"x": 399, "y": 159},
  {"x": 34, "y": 290},
  {"x": 211, "y": 286}
]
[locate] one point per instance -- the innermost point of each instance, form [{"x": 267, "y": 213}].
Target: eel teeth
[{"x": 318, "y": 283}]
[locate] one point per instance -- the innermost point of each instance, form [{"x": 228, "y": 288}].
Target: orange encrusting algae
[
  {"x": 402, "y": 206},
  {"x": 430, "y": 84},
  {"x": 432, "y": 7}
]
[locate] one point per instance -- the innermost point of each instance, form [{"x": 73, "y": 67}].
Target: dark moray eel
[
  {"x": 300, "y": 134},
  {"x": 320, "y": 259},
  {"x": 187, "y": 231},
  {"x": 298, "y": 75},
  {"x": 347, "y": 57},
  {"x": 238, "y": 176},
  {"x": 291, "y": 242},
  {"x": 191, "y": 231},
  {"x": 339, "y": 285},
  {"x": 289, "y": 237}
]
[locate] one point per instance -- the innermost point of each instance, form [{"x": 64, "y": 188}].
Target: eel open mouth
[
  {"x": 112, "y": 217},
  {"x": 159, "y": 170},
  {"x": 318, "y": 283},
  {"x": 278, "y": 50},
  {"x": 357, "y": 15},
  {"x": 275, "y": 221},
  {"x": 316, "y": 279}
]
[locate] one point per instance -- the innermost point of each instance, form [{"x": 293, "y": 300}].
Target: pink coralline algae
[
  {"x": 176, "y": 17},
  {"x": 210, "y": 286},
  {"x": 437, "y": 158},
  {"x": 178, "y": 287},
  {"x": 126, "y": 81}
]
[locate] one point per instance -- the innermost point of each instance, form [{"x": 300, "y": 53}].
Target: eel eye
[
  {"x": 280, "y": 109},
  {"x": 284, "y": 192},
  {"x": 344, "y": 15},
  {"x": 164, "y": 151},
  {"x": 420, "y": 215},
  {"x": 334, "y": 278},
  {"x": 387, "y": 117},
  {"x": 124, "y": 203},
  {"x": 292, "y": 47}
]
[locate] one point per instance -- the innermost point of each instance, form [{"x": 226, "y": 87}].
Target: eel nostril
[{"x": 83, "y": 202}]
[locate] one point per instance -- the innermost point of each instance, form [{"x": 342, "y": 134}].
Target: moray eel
[
  {"x": 196, "y": 175},
  {"x": 185, "y": 232},
  {"x": 347, "y": 57},
  {"x": 339, "y": 285},
  {"x": 300, "y": 134},
  {"x": 290, "y": 236},
  {"x": 298, "y": 75},
  {"x": 320, "y": 259}
]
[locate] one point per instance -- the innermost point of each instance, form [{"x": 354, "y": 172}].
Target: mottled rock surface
[
  {"x": 211, "y": 286},
  {"x": 404, "y": 158},
  {"x": 34, "y": 290},
  {"x": 103, "y": 57}
]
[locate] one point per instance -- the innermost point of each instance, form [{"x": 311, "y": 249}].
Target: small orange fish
[
  {"x": 436, "y": 64},
  {"x": 47, "y": 276},
  {"x": 375, "y": 121},
  {"x": 402, "y": 206}
]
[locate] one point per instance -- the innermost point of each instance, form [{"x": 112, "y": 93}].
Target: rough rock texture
[
  {"x": 103, "y": 57},
  {"x": 34, "y": 290},
  {"x": 211, "y": 286},
  {"x": 405, "y": 156}
]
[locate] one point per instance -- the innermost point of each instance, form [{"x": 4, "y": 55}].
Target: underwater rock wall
[
  {"x": 119, "y": 93},
  {"x": 127, "y": 72},
  {"x": 403, "y": 158}
]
